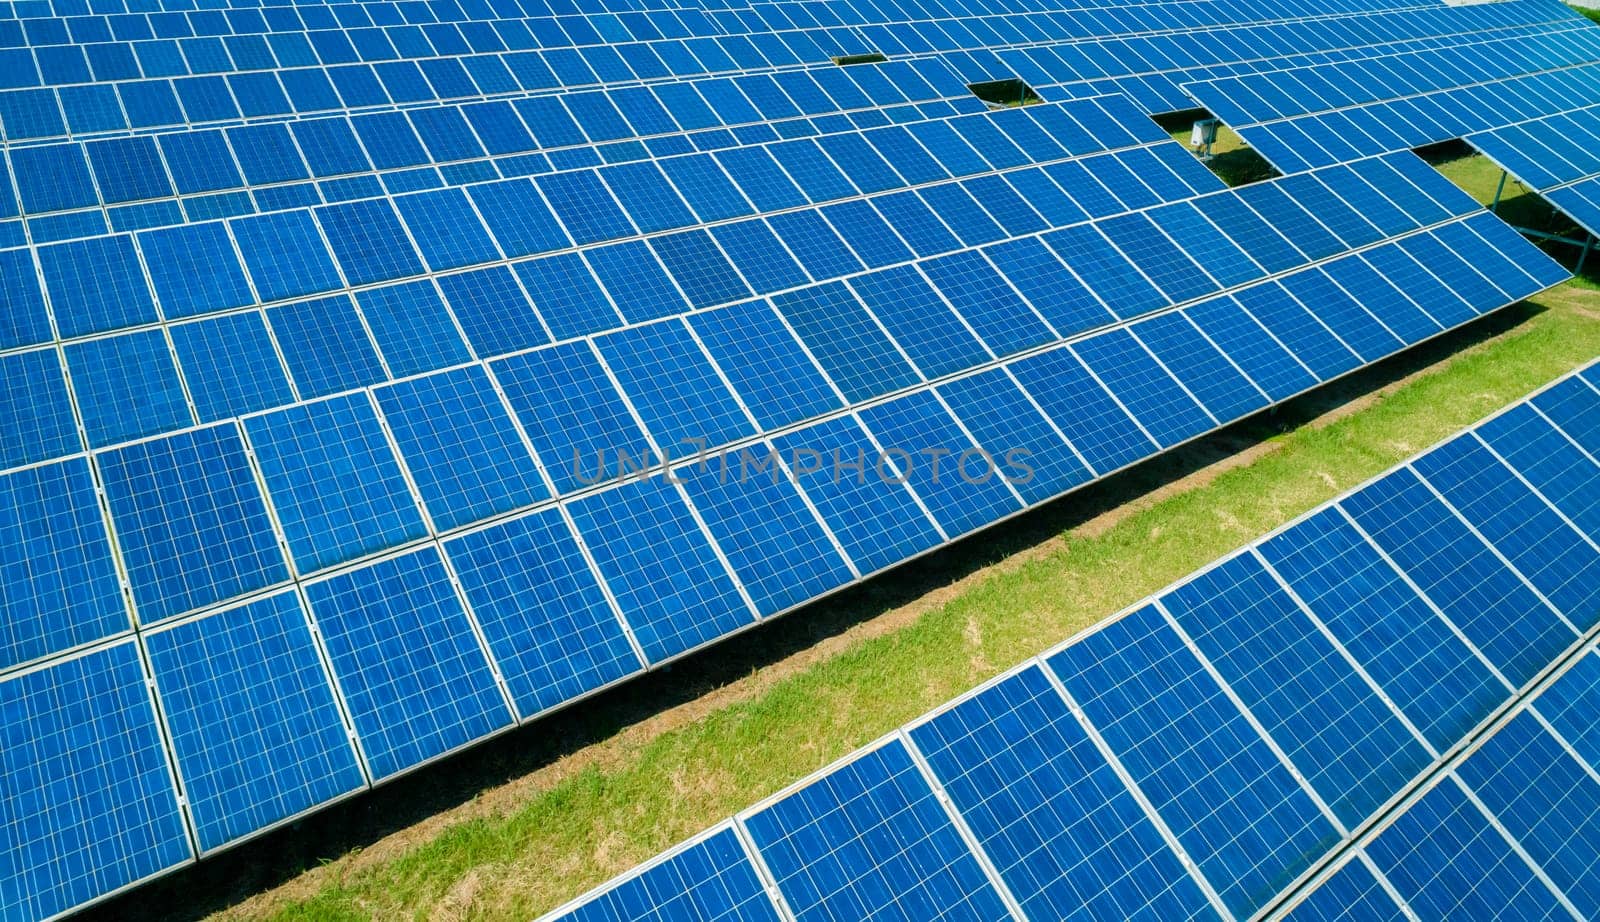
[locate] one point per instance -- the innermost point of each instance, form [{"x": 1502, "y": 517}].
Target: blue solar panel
[
  {"x": 1547, "y": 799},
  {"x": 1067, "y": 837},
  {"x": 1534, "y": 538},
  {"x": 1446, "y": 859},
  {"x": 773, "y": 540},
  {"x": 1566, "y": 475},
  {"x": 325, "y": 345},
  {"x": 1450, "y": 565},
  {"x": 230, "y": 365},
  {"x": 334, "y": 482},
  {"x": 666, "y": 577},
  {"x": 921, "y": 321},
  {"x": 869, "y": 840},
  {"x": 108, "y": 370},
  {"x": 710, "y": 881},
  {"x": 403, "y": 651},
  {"x": 60, "y": 582},
  {"x": 1353, "y": 893},
  {"x": 412, "y": 327},
  {"x": 82, "y": 750},
  {"x": 573, "y": 415},
  {"x": 239, "y": 198},
  {"x": 766, "y": 365},
  {"x": 1209, "y": 375},
  {"x": 1329, "y": 721},
  {"x": 190, "y": 521},
  {"x": 858, "y": 490},
  {"x": 940, "y": 462},
  {"x": 1411, "y": 653},
  {"x": 852, "y": 349},
  {"x": 1575, "y": 409},
  {"x": 1160, "y": 404},
  {"x": 284, "y": 255},
  {"x": 1024, "y": 449},
  {"x": 1244, "y": 818},
  {"x": 34, "y": 398},
  {"x": 470, "y": 464},
  {"x": 242, "y": 688},
  {"x": 678, "y": 394},
  {"x": 1567, "y": 705},
  {"x": 194, "y": 269},
  {"x": 545, "y": 618}
]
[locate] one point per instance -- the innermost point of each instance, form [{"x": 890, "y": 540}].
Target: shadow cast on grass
[{"x": 231, "y": 876}]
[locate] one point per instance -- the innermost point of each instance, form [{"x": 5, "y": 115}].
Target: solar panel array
[
  {"x": 337, "y": 336},
  {"x": 1382, "y": 710},
  {"x": 1307, "y": 117},
  {"x": 1549, "y": 155}
]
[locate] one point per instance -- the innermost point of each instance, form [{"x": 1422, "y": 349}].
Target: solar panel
[
  {"x": 1487, "y": 87},
  {"x": 1302, "y": 729},
  {"x": 386, "y": 313}
]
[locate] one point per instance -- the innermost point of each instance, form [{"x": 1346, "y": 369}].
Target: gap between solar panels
[{"x": 1383, "y": 708}]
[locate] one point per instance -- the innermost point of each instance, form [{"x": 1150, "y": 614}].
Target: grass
[
  {"x": 515, "y": 827},
  {"x": 1231, "y": 159}
]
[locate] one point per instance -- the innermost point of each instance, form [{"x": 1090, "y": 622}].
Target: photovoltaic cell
[
  {"x": 467, "y": 464},
  {"x": 60, "y": 582},
  {"x": 1245, "y": 820},
  {"x": 711, "y": 880},
  {"x": 859, "y": 492},
  {"x": 544, "y": 615},
  {"x": 1488, "y": 602},
  {"x": 1543, "y": 547},
  {"x": 946, "y": 470},
  {"x": 246, "y": 687},
  {"x": 81, "y": 750},
  {"x": 1410, "y": 652},
  {"x": 1330, "y": 723},
  {"x": 1352, "y": 893},
  {"x": 773, "y": 541},
  {"x": 869, "y": 840},
  {"x": 1546, "y": 799},
  {"x": 1064, "y": 833},
  {"x": 404, "y": 654},
  {"x": 1445, "y": 858},
  {"x": 190, "y": 522},
  {"x": 665, "y": 576},
  {"x": 334, "y": 482}
]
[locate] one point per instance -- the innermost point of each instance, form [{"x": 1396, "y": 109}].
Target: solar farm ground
[{"x": 519, "y": 825}]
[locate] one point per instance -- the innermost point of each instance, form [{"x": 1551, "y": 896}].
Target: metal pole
[
  {"x": 1584, "y": 256},
  {"x": 1498, "y": 189}
]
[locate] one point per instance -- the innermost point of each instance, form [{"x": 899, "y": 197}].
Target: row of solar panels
[
  {"x": 309, "y": 690},
  {"x": 1360, "y": 108},
  {"x": 1158, "y": 89},
  {"x": 517, "y": 218},
  {"x": 475, "y": 142},
  {"x": 122, "y": 170},
  {"x": 502, "y": 27},
  {"x": 129, "y": 50},
  {"x": 116, "y": 99},
  {"x": 1550, "y": 156},
  {"x": 1205, "y": 753},
  {"x": 235, "y": 364}
]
